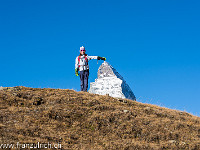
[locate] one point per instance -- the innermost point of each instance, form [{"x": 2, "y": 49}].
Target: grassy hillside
[{"x": 79, "y": 120}]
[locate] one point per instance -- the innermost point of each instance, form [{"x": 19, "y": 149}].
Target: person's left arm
[{"x": 96, "y": 57}]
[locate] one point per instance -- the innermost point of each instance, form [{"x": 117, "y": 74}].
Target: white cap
[{"x": 82, "y": 48}]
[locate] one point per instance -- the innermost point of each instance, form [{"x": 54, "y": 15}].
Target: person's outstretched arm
[{"x": 96, "y": 57}]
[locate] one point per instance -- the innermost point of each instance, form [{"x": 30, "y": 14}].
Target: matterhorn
[{"x": 110, "y": 82}]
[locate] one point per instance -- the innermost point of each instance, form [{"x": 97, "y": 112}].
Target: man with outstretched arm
[{"x": 81, "y": 65}]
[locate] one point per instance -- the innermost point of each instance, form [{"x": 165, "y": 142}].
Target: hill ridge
[{"x": 80, "y": 120}]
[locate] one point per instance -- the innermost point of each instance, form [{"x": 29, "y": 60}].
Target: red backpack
[{"x": 79, "y": 60}]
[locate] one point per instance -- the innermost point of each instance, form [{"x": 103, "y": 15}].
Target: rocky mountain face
[{"x": 110, "y": 82}]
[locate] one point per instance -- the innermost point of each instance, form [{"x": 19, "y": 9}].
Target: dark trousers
[{"x": 84, "y": 75}]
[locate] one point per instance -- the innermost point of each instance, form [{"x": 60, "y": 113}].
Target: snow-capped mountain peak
[{"x": 110, "y": 82}]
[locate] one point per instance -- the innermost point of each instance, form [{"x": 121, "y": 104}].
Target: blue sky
[{"x": 154, "y": 45}]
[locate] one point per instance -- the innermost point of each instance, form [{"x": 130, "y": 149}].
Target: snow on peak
[{"x": 110, "y": 82}]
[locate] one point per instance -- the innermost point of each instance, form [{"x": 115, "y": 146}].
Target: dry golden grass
[{"x": 79, "y": 120}]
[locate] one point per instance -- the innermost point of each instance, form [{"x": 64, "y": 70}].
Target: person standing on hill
[{"x": 81, "y": 65}]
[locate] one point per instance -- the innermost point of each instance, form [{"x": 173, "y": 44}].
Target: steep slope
[{"x": 80, "y": 120}]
